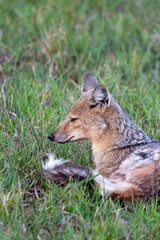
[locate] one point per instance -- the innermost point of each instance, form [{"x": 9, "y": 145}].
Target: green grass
[{"x": 119, "y": 42}]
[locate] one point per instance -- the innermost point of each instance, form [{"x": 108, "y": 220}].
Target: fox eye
[{"x": 73, "y": 119}]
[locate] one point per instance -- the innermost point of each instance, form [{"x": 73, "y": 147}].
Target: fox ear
[
  {"x": 88, "y": 82},
  {"x": 99, "y": 96}
]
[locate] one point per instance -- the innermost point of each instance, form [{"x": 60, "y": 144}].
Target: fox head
[{"x": 87, "y": 117}]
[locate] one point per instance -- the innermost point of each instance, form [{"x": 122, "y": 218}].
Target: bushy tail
[{"x": 61, "y": 171}]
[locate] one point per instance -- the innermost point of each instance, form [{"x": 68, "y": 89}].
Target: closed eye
[{"x": 73, "y": 119}]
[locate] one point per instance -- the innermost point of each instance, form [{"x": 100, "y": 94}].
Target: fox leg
[{"x": 115, "y": 187}]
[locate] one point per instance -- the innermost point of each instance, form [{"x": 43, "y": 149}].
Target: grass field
[{"x": 45, "y": 46}]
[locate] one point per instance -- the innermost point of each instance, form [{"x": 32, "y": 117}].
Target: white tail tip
[{"x": 52, "y": 162}]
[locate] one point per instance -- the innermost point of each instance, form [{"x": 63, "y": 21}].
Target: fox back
[{"x": 127, "y": 160}]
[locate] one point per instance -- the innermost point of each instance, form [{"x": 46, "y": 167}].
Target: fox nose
[{"x": 51, "y": 137}]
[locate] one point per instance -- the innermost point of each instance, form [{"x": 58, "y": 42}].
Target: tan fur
[{"x": 126, "y": 158}]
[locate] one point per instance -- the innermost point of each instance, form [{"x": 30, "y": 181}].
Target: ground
[{"x": 45, "y": 46}]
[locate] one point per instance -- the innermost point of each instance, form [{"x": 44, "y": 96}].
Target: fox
[{"x": 126, "y": 159}]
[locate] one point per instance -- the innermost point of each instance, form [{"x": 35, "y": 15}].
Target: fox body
[{"x": 127, "y": 160}]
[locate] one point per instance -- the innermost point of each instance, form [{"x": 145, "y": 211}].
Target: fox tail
[{"x": 61, "y": 171}]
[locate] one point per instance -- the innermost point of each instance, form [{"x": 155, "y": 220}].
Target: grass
[{"x": 45, "y": 46}]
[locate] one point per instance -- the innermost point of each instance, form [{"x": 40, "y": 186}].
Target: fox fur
[{"x": 127, "y": 160}]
